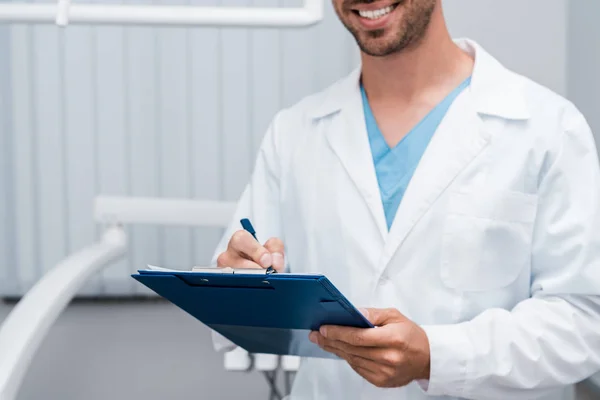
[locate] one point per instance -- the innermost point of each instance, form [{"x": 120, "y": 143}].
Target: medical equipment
[{"x": 28, "y": 323}]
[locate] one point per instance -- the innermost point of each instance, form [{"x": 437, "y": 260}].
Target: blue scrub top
[{"x": 395, "y": 166}]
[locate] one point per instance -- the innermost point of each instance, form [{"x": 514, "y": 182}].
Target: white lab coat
[{"x": 495, "y": 248}]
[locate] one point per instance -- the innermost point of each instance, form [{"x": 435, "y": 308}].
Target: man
[{"x": 456, "y": 200}]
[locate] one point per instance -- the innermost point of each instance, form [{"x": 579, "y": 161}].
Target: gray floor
[
  {"x": 132, "y": 351},
  {"x": 138, "y": 351}
]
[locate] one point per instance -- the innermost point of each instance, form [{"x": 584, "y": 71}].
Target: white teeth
[{"x": 377, "y": 13}]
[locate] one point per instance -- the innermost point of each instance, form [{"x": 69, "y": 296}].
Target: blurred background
[{"x": 178, "y": 112}]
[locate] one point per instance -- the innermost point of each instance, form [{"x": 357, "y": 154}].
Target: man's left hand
[{"x": 391, "y": 355}]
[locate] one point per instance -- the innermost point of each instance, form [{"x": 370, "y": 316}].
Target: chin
[{"x": 381, "y": 46}]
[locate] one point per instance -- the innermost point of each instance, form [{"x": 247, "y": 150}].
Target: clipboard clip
[{"x": 233, "y": 271}]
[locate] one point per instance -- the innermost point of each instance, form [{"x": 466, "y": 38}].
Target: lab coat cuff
[{"x": 450, "y": 355}]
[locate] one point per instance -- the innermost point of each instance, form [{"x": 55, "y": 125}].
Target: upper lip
[{"x": 373, "y": 6}]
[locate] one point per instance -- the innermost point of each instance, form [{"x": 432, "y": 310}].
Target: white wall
[
  {"x": 150, "y": 350},
  {"x": 527, "y": 36},
  {"x": 584, "y": 56},
  {"x": 584, "y": 78},
  {"x": 168, "y": 112}
]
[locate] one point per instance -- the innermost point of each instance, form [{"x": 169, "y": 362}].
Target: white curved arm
[
  {"x": 63, "y": 12},
  {"x": 27, "y": 324}
]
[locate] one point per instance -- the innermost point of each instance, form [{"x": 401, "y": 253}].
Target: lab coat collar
[{"x": 497, "y": 91}]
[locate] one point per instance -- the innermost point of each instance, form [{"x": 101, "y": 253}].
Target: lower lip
[{"x": 377, "y": 23}]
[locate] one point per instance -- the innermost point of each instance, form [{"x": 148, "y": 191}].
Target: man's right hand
[{"x": 243, "y": 251}]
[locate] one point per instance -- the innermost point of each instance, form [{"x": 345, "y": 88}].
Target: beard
[{"x": 404, "y": 31}]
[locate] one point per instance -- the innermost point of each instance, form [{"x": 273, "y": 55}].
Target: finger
[
  {"x": 383, "y": 316},
  {"x": 381, "y": 355},
  {"x": 371, "y": 353},
  {"x": 353, "y": 360},
  {"x": 244, "y": 244},
  {"x": 360, "y": 337},
  {"x": 233, "y": 260},
  {"x": 277, "y": 250},
  {"x": 384, "y": 336}
]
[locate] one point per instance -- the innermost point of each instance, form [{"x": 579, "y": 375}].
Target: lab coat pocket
[{"x": 487, "y": 238}]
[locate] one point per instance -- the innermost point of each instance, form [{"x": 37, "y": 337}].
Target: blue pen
[{"x": 247, "y": 225}]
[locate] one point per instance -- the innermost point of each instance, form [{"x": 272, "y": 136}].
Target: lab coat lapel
[
  {"x": 349, "y": 140},
  {"x": 458, "y": 140}
]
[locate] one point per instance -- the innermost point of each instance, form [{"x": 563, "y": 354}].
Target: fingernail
[
  {"x": 266, "y": 260},
  {"x": 278, "y": 261},
  {"x": 323, "y": 331}
]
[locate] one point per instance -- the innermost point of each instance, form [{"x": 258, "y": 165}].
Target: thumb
[
  {"x": 382, "y": 316},
  {"x": 277, "y": 249}
]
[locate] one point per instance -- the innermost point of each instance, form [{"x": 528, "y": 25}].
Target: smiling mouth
[{"x": 376, "y": 14}]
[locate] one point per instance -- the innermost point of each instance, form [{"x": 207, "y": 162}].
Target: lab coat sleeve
[
  {"x": 551, "y": 339},
  {"x": 259, "y": 202}
]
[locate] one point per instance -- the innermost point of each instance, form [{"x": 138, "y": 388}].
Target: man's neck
[{"x": 434, "y": 64}]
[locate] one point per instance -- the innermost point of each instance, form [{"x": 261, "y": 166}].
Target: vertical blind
[{"x": 140, "y": 111}]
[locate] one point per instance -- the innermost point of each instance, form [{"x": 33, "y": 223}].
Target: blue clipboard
[{"x": 260, "y": 312}]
